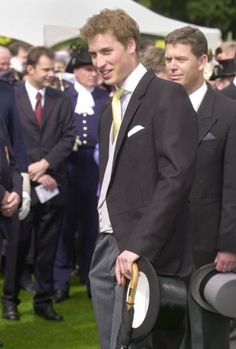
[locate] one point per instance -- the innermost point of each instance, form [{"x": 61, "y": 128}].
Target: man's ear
[
  {"x": 131, "y": 45},
  {"x": 29, "y": 69},
  {"x": 203, "y": 61}
]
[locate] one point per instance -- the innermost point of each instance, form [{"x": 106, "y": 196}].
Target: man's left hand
[{"x": 225, "y": 261}]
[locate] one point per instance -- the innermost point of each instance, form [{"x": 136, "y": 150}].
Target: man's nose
[
  {"x": 173, "y": 64},
  {"x": 99, "y": 61}
]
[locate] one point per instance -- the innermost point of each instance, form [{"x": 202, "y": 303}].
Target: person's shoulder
[
  {"x": 164, "y": 86},
  {"x": 55, "y": 93},
  {"x": 224, "y": 107},
  {"x": 229, "y": 91},
  {"x": 224, "y": 98},
  {"x": 101, "y": 92},
  {"x": 5, "y": 86}
]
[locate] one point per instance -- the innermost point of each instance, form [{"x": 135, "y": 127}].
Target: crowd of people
[{"x": 158, "y": 128}]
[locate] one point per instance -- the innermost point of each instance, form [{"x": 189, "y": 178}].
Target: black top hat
[
  {"x": 79, "y": 57},
  {"x": 214, "y": 291},
  {"x": 159, "y": 301},
  {"x": 225, "y": 68}
]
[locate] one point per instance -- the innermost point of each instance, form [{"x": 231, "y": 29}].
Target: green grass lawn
[{"x": 77, "y": 331}]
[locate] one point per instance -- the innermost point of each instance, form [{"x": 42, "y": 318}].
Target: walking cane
[{"x": 124, "y": 336}]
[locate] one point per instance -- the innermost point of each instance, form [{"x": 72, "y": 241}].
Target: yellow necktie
[{"x": 116, "y": 110}]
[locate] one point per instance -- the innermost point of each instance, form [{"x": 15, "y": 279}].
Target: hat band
[{"x": 204, "y": 281}]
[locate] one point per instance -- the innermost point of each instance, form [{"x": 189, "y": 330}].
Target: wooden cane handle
[{"x": 133, "y": 286}]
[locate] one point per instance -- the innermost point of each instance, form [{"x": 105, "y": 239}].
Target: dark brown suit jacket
[{"x": 152, "y": 174}]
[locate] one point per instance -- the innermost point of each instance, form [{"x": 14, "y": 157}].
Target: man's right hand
[
  {"x": 124, "y": 265},
  {"x": 10, "y": 203}
]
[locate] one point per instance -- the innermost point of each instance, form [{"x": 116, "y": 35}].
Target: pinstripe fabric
[{"x": 106, "y": 294}]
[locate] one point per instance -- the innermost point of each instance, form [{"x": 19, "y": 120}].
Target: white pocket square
[
  {"x": 135, "y": 129},
  {"x": 209, "y": 137}
]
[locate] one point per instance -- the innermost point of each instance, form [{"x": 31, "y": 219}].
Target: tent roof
[{"x": 53, "y": 21}]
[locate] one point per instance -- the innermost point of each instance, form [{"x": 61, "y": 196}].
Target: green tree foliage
[{"x": 218, "y": 13}]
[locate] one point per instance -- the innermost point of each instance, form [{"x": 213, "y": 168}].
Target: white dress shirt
[
  {"x": 197, "y": 96},
  {"x": 32, "y": 92}
]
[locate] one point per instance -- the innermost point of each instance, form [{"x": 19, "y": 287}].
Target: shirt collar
[
  {"x": 197, "y": 96},
  {"x": 133, "y": 79},
  {"x": 32, "y": 91}
]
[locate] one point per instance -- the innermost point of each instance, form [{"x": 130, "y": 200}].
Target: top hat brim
[
  {"x": 148, "y": 291},
  {"x": 195, "y": 284}
]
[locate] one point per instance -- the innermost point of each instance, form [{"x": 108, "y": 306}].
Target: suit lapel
[
  {"x": 131, "y": 110},
  {"x": 205, "y": 119},
  {"x": 24, "y": 105}
]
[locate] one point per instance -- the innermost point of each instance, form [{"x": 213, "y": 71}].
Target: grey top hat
[{"x": 214, "y": 291}]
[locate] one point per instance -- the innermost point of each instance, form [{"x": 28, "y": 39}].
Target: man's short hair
[
  {"x": 189, "y": 36},
  {"x": 115, "y": 22},
  {"x": 36, "y": 52},
  {"x": 154, "y": 58},
  {"x": 15, "y": 46}
]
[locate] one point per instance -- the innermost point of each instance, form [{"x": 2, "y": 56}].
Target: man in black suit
[
  {"x": 230, "y": 90},
  {"x": 213, "y": 194},
  {"x": 10, "y": 187},
  {"x": 146, "y": 170},
  {"x": 49, "y": 135}
]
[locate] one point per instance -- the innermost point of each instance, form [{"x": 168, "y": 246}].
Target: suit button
[
  {"x": 85, "y": 135},
  {"x": 85, "y": 142},
  {"x": 85, "y": 128},
  {"x": 84, "y": 121}
]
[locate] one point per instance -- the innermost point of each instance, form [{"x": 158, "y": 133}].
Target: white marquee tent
[{"x": 48, "y": 22}]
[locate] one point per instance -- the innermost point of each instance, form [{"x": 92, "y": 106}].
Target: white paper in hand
[{"x": 44, "y": 194}]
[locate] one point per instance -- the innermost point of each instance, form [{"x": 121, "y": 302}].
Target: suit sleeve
[
  {"x": 60, "y": 152},
  {"x": 227, "y": 233}
]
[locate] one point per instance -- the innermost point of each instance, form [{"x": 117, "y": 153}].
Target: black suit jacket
[
  {"x": 54, "y": 140},
  {"x": 152, "y": 174},
  {"x": 230, "y": 91},
  {"x": 10, "y": 177},
  {"x": 213, "y": 195}
]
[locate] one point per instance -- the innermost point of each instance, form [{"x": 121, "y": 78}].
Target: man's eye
[{"x": 107, "y": 52}]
